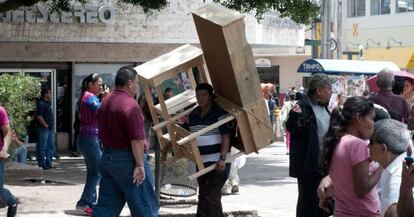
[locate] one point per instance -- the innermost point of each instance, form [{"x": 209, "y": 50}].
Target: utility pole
[
  {"x": 339, "y": 31},
  {"x": 325, "y": 30}
]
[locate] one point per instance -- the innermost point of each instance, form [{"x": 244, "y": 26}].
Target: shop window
[
  {"x": 356, "y": 8},
  {"x": 379, "y": 7},
  {"x": 405, "y": 6}
]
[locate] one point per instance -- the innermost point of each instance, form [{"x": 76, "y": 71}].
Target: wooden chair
[{"x": 153, "y": 74}]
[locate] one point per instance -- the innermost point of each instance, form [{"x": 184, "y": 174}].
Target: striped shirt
[
  {"x": 89, "y": 122},
  {"x": 209, "y": 144}
]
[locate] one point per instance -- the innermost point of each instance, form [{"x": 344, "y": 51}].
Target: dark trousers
[
  {"x": 209, "y": 195},
  {"x": 308, "y": 201}
]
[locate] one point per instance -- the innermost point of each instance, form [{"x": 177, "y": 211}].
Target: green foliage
[
  {"x": 148, "y": 5},
  {"x": 18, "y": 95},
  {"x": 300, "y": 11}
]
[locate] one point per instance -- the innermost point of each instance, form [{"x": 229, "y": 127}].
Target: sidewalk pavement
[{"x": 265, "y": 190}]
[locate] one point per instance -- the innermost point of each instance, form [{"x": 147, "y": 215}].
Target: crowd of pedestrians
[
  {"x": 350, "y": 160},
  {"x": 353, "y": 161}
]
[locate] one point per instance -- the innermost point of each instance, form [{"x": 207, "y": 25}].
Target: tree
[
  {"x": 18, "y": 94},
  {"x": 300, "y": 11}
]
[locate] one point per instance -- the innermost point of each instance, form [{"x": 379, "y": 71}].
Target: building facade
[
  {"x": 383, "y": 29},
  {"x": 102, "y": 36}
]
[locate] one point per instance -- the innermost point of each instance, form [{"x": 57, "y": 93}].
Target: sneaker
[
  {"x": 226, "y": 190},
  {"x": 235, "y": 189},
  {"x": 85, "y": 210},
  {"x": 12, "y": 210}
]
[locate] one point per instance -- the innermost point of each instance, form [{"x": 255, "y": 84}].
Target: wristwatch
[{"x": 223, "y": 157}]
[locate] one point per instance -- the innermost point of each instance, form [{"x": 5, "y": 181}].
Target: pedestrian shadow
[
  {"x": 265, "y": 171},
  {"x": 73, "y": 212}
]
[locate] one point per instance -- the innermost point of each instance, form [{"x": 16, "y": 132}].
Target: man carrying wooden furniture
[{"x": 214, "y": 147}]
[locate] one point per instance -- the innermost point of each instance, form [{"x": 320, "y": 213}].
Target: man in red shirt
[{"x": 126, "y": 175}]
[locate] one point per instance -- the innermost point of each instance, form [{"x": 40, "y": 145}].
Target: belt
[{"x": 109, "y": 148}]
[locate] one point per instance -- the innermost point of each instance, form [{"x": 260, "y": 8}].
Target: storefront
[
  {"x": 349, "y": 75},
  {"x": 101, "y": 37}
]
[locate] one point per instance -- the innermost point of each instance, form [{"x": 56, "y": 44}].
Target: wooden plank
[
  {"x": 190, "y": 75},
  {"x": 148, "y": 97},
  {"x": 166, "y": 66},
  {"x": 178, "y": 116},
  {"x": 204, "y": 130},
  {"x": 228, "y": 55},
  {"x": 188, "y": 150},
  {"x": 232, "y": 69},
  {"x": 204, "y": 76},
  {"x": 213, "y": 166},
  {"x": 184, "y": 97}
]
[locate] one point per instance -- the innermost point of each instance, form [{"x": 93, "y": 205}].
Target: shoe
[
  {"x": 56, "y": 156},
  {"x": 85, "y": 210},
  {"x": 226, "y": 190},
  {"x": 75, "y": 154},
  {"x": 235, "y": 189},
  {"x": 12, "y": 210}
]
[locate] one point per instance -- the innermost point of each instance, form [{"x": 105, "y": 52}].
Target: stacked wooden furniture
[
  {"x": 231, "y": 66},
  {"x": 233, "y": 74},
  {"x": 153, "y": 74}
]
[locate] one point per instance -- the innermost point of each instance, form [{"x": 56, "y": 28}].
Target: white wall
[
  {"x": 379, "y": 28},
  {"x": 173, "y": 24}
]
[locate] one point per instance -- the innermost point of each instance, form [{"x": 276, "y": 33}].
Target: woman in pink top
[{"x": 347, "y": 157}]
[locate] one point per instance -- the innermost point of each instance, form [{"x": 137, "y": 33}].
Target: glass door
[{"x": 47, "y": 79}]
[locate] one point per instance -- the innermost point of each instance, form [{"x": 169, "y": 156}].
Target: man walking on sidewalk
[{"x": 126, "y": 175}]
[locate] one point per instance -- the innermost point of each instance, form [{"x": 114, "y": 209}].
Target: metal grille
[{"x": 174, "y": 173}]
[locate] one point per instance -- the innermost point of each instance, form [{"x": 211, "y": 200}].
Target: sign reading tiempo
[{"x": 40, "y": 14}]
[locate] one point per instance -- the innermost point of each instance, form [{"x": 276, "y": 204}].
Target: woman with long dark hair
[
  {"x": 346, "y": 156},
  {"x": 88, "y": 141}
]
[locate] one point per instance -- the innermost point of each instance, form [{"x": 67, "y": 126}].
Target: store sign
[
  {"x": 315, "y": 67},
  {"x": 273, "y": 20},
  {"x": 41, "y": 14},
  {"x": 263, "y": 62}
]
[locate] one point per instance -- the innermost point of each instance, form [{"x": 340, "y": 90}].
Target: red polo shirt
[{"x": 120, "y": 121}]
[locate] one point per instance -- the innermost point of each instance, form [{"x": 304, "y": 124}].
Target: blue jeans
[
  {"x": 44, "y": 147},
  {"x": 4, "y": 193},
  {"x": 90, "y": 148},
  {"x": 20, "y": 154},
  {"x": 116, "y": 187}
]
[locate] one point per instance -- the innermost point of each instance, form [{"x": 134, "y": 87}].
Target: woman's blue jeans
[
  {"x": 4, "y": 193},
  {"x": 117, "y": 187},
  {"x": 90, "y": 148}
]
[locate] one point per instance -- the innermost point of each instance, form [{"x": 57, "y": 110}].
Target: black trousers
[
  {"x": 209, "y": 195},
  {"x": 308, "y": 201}
]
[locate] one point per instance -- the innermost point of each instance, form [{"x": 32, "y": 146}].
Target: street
[{"x": 264, "y": 187}]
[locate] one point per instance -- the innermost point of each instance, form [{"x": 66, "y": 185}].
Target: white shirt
[{"x": 389, "y": 184}]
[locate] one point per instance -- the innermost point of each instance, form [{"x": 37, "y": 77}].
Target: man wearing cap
[{"x": 308, "y": 122}]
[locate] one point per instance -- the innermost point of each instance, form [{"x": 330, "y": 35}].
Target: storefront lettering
[
  {"x": 40, "y": 14},
  {"x": 312, "y": 67}
]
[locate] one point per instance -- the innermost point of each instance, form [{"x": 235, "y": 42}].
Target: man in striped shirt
[{"x": 214, "y": 148}]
